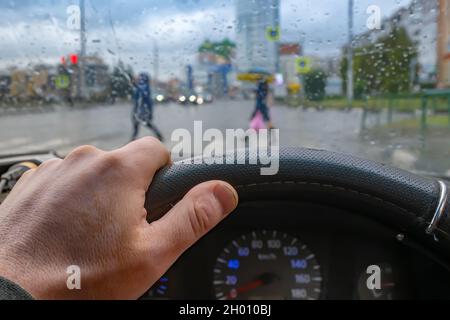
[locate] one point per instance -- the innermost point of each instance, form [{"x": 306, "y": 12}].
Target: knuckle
[
  {"x": 106, "y": 164},
  {"x": 201, "y": 216},
  {"x": 152, "y": 148},
  {"x": 49, "y": 163},
  {"x": 83, "y": 151},
  {"x": 154, "y": 143},
  {"x": 151, "y": 140}
]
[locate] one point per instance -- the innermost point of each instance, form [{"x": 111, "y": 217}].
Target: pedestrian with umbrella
[{"x": 263, "y": 97}]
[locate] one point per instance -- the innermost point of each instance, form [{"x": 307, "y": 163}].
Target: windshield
[{"x": 369, "y": 78}]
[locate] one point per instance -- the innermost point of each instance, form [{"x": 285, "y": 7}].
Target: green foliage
[
  {"x": 121, "y": 81},
  {"x": 224, "y": 48},
  {"x": 384, "y": 66},
  {"x": 315, "y": 83}
]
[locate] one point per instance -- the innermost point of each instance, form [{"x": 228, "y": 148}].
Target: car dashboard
[
  {"x": 297, "y": 251},
  {"x": 303, "y": 251}
]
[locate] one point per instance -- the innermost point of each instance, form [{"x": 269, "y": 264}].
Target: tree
[
  {"x": 399, "y": 53},
  {"x": 224, "y": 48},
  {"x": 384, "y": 66},
  {"x": 315, "y": 84},
  {"x": 121, "y": 82}
]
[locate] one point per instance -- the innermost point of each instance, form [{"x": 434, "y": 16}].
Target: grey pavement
[{"x": 109, "y": 127}]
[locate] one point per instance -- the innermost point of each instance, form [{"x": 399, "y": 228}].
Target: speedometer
[{"x": 267, "y": 265}]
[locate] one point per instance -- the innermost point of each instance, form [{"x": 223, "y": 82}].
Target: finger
[
  {"x": 49, "y": 164},
  {"x": 196, "y": 214},
  {"x": 82, "y": 153},
  {"x": 144, "y": 157}
]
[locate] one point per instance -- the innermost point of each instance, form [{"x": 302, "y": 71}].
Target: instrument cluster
[{"x": 286, "y": 251}]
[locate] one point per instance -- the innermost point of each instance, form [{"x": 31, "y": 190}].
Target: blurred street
[
  {"x": 109, "y": 127},
  {"x": 375, "y": 85}
]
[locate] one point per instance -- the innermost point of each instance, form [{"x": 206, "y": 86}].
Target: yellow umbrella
[{"x": 255, "y": 77}]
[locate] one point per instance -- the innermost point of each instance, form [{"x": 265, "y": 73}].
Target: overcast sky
[{"x": 35, "y": 31}]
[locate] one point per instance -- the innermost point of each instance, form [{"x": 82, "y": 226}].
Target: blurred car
[
  {"x": 160, "y": 97},
  {"x": 189, "y": 98},
  {"x": 201, "y": 96},
  {"x": 182, "y": 98},
  {"x": 192, "y": 98},
  {"x": 205, "y": 97}
]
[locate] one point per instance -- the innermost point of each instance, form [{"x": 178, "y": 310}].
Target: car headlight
[
  {"x": 192, "y": 98},
  {"x": 200, "y": 100},
  {"x": 159, "y": 98},
  {"x": 182, "y": 99}
]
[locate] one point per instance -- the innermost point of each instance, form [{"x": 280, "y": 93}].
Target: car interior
[
  {"x": 353, "y": 97},
  {"x": 311, "y": 232}
]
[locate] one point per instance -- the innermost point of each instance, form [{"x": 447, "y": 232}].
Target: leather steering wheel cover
[{"x": 394, "y": 197}]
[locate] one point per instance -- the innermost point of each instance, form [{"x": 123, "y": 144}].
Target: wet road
[{"x": 108, "y": 127}]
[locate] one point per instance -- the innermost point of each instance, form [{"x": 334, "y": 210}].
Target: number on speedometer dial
[{"x": 267, "y": 265}]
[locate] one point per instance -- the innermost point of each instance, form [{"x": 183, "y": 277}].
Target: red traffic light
[{"x": 74, "y": 59}]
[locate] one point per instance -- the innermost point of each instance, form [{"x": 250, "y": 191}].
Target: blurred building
[
  {"x": 173, "y": 88},
  {"x": 289, "y": 52},
  {"x": 5, "y": 84},
  {"x": 38, "y": 84},
  {"x": 19, "y": 83},
  {"x": 443, "y": 54},
  {"x": 420, "y": 20},
  {"x": 331, "y": 67},
  {"x": 49, "y": 83},
  {"x": 96, "y": 77},
  {"x": 258, "y": 33},
  {"x": 289, "y": 81},
  {"x": 215, "y": 66}
]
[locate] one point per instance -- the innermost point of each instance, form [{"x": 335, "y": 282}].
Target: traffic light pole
[
  {"x": 276, "y": 8},
  {"x": 155, "y": 62},
  {"x": 83, "y": 41}
]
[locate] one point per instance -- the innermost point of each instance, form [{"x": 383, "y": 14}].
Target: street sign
[
  {"x": 303, "y": 65},
  {"x": 273, "y": 34},
  {"x": 62, "y": 81}
]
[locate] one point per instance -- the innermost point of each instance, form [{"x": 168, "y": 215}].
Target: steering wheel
[{"x": 416, "y": 207}]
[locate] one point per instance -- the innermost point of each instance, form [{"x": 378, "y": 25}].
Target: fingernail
[{"x": 227, "y": 196}]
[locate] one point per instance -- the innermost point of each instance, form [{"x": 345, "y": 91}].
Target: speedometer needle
[{"x": 262, "y": 280}]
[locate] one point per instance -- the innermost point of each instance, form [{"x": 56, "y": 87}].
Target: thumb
[{"x": 195, "y": 215}]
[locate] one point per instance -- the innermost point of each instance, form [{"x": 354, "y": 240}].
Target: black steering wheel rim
[{"x": 396, "y": 198}]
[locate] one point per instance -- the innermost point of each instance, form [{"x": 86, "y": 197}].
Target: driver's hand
[{"x": 88, "y": 211}]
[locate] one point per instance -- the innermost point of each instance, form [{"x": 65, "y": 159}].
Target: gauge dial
[{"x": 267, "y": 265}]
